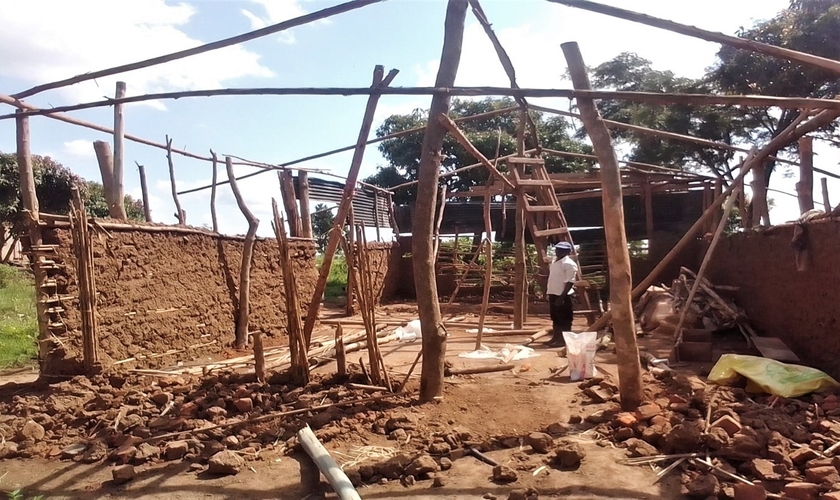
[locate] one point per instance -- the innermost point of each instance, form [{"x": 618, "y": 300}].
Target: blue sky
[{"x": 44, "y": 40}]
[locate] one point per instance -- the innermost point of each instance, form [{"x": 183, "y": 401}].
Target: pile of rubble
[{"x": 727, "y": 444}]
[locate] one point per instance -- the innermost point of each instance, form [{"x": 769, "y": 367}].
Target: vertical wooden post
[
  {"x": 707, "y": 202},
  {"x": 244, "y": 312},
  {"x": 350, "y": 259},
  {"x": 647, "y": 195},
  {"x": 144, "y": 191},
  {"x": 376, "y": 214},
  {"x": 717, "y": 190},
  {"x": 305, "y": 217},
  {"x": 826, "y": 200},
  {"x": 83, "y": 251},
  {"x": 488, "y": 263},
  {"x": 392, "y": 213},
  {"x": 298, "y": 349},
  {"x": 344, "y": 207},
  {"x": 760, "y": 212},
  {"x": 179, "y": 213},
  {"x": 259, "y": 357},
  {"x": 621, "y": 284},
  {"x": 31, "y": 218},
  {"x": 520, "y": 283},
  {"x": 119, "y": 156},
  {"x": 425, "y": 282},
  {"x": 287, "y": 192},
  {"x": 213, "y": 192},
  {"x": 439, "y": 220},
  {"x": 805, "y": 186},
  {"x": 340, "y": 356}
]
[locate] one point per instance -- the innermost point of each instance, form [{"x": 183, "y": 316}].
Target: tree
[
  {"x": 629, "y": 72},
  {"x": 807, "y": 26},
  {"x": 97, "y": 206},
  {"x": 322, "y": 221},
  {"x": 403, "y": 153}
]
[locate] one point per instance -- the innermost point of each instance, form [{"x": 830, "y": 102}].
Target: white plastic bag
[
  {"x": 409, "y": 332},
  {"x": 580, "y": 352}
]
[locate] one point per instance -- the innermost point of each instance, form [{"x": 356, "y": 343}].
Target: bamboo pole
[
  {"x": 711, "y": 36},
  {"x": 213, "y": 216},
  {"x": 425, "y": 280},
  {"x": 298, "y": 348},
  {"x": 244, "y": 312},
  {"x": 86, "y": 282},
  {"x": 287, "y": 193},
  {"x": 789, "y": 135},
  {"x": 805, "y": 186},
  {"x": 659, "y": 98},
  {"x": 621, "y": 284},
  {"x": 259, "y": 357},
  {"x": 227, "y": 42},
  {"x": 144, "y": 191},
  {"x": 488, "y": 268},
  {"x": 179, "y": 213},
  {"x": 305, "y": 217},
  {"x": 379, "y": 84},
  {"x": 119, "y": 155},
  {"x": 698, "y": 280},
  {"x": 826, "y": 200}
]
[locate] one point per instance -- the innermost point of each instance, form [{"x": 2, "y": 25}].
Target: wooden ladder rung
[
  {"x": 542, "y": 208},
  {"x": 520, "y": 160},
  {"x": 535, "y": 182},
  {"x": 55, "y": 310},
  {"x": 550, "y": 232}
]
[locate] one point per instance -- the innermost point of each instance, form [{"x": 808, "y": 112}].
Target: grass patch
[
  {"x": 337, "y": 280},
  {"x": 18, "y": 318}
]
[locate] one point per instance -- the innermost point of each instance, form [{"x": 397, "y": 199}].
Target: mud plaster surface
[
  {"x": 801, "y": 308},
  {"x": 160, "y": 291}
]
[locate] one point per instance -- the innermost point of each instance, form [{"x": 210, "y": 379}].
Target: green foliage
[
  {"x": 19, "y": 495},
  {"x": 629, "y": 72},
  {"x": 53, "y": 187},
  {"x": 18, "y": 318},
  {"x": 809, "y": 26},
  {"x": 322, "y": 221},
  {"x": 488, "y": 134},
  {"x": 337, "y": 279}
]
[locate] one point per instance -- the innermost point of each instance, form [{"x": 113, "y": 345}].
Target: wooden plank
[
  {"x": 522, "y": 160},
  {"x": 534, "y": 182},
  {"x": 541, "y": 233},
  {"x": 542, "y": 208}
]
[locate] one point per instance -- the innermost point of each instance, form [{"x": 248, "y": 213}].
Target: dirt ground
[{"x": 487, "y": 406}]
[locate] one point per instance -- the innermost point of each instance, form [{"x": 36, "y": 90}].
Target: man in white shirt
[{"x": 561, "y": 281}]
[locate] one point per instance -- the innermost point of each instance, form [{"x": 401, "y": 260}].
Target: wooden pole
[
  {"x": 243, "y": 315},
  {"x": 826, "y": 200},
  {"x": 716, "y": 191},
  {"x": 488, "y": 267},
  {"x": 392, "y": 213},
  {"x": 119, "y": 155},
  {"x": 425, "y": 280},
  {"x": 462, "y": 139},
  {"x": 379, "y": 83},
  {"x": 213, "y": 192},
  {"x": 259, "y": 357},
  {"x": 31, "y": 219},
  {"x": 786, "y": 137},
  {"x": 87, "y": 287},
  {"x": 331, "y": 471},
  {"x": 179, "y": 213},
  {"x": 305, "y": 217},
  {"x": 340, "y": 357},
  {"x": 647, "y": 196},
  {"x": 805, "y": 186},
  {"x": 621, "y": 284},
  {"x": 106, "y": 169},
  {"x": 520, "y": 284},
  {"x": 727, "y": 209},
  {"x": 298, "y": 349},
  {"x": 439, "y": 220},
  {"x": 144, "y": 191},
  {"x": 711, "y": 36},
  {"x": 350, "y": 255},
  {"x": 287, "y": 192},
  {"x": 760, "y": 212},
  {"x": 376, "y": 214}
]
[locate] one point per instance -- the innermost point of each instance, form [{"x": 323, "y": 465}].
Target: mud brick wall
[
  {"x": 162, "y": 291},
  {"x": 801, "y": 308},
  {"x": 385, "y": 270}
]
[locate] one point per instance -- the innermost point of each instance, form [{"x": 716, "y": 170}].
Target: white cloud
[
  {"x": 79, "y": 148},
  {"x": 275, "y": 11},
  {"x": 51, "y": 40}
]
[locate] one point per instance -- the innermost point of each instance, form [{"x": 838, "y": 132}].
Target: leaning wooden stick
[
  {"x": 244, "y": 312},
  {"x": 182, "y": 219}
]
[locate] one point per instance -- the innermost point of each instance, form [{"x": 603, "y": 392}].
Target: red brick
[
  {"x": 727, "y": 423},
  {"x": 802, "y": 491},
  {"x": 647, "y": 412},
  {"x": 749, "y": 492},
  {"x": 801, "y": 455},
  {"x": 626, "y": 419}
]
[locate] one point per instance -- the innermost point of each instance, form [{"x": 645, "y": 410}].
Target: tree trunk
[
  {"x": 425, "y": 282},
  {"x": 621, "y": 284},
  {"x": 805, "y": 186}
]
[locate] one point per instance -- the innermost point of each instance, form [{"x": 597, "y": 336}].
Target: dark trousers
[{"x": 562, "y": 313}]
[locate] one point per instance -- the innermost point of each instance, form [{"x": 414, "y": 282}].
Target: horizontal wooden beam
[
  {"x": 641, "y": 97},
  {"x": 711, "y": 36}
]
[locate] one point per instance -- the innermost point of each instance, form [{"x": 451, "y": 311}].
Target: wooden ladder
[{"x": 544, "y": 218}]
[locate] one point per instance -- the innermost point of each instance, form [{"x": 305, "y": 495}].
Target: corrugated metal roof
[{"x": 363, "y": 200}]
